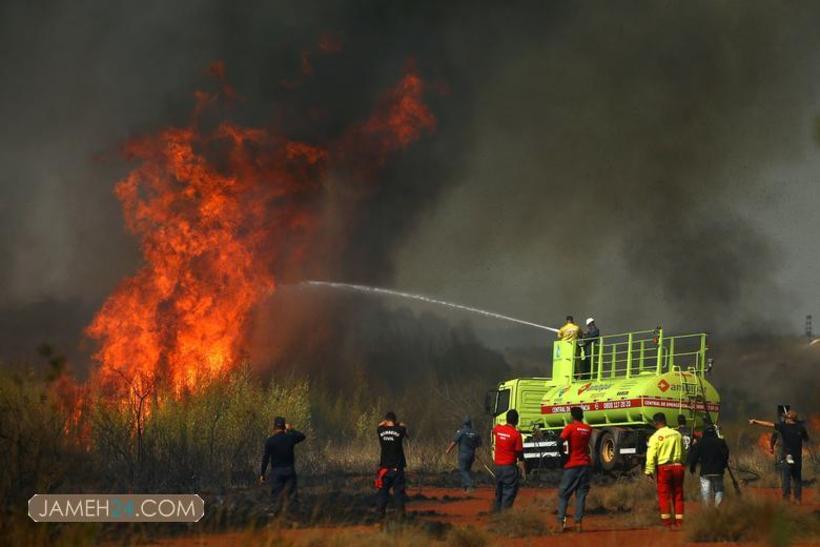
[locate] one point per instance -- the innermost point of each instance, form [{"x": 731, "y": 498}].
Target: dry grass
[
  {"x": 520, "y": 522},
  {"x": 403, "y": 535},
  {"x": 363, "y": 456},
  {"x": 754, "y": 520},
  {"x": 211, "y": 442},
  {"x": 632, "y": 499},
  {"x": 18, "y": 529},
  {"x": 755, "y": 467},
  {"x": 468, "y": 536}
]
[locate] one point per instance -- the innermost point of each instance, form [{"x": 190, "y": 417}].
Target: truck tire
[{"x": 606, "y": 453}]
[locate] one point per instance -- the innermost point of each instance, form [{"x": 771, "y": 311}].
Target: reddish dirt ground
[
  {"x": 599, "y": 530},
  {"x": 453, "y": 506}
]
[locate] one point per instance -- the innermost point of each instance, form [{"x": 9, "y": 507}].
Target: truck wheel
[{"x": 607, "y": 455}]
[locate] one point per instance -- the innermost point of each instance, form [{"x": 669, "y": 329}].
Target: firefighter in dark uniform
[
  {"x": 467, "y": 441},
  {"x": 279, "y": 453},
  {"x": 391, "y": 464}
]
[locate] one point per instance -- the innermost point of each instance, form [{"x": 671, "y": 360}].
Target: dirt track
[{"x": 452, "y": 506}]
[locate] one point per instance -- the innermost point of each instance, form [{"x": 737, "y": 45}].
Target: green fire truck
[{"x": 620, "y": 381}]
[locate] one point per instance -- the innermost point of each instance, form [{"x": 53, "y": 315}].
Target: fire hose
[{"x": 485, "y": 466}]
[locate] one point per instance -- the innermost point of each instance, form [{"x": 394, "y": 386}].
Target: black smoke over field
[
  {"x": 594, "y": 158},
  {"x": 756, "y": 374},
  {"x": 621, "y": 164}
]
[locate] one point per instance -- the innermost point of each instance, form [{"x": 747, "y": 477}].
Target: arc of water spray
[{"x": 421, "y": 298}]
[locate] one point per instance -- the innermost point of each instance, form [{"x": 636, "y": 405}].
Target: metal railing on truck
[{"x": 643, "y": 352}]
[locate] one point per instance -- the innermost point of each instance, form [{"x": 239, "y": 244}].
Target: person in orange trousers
[{"x": 664, "y": 464}]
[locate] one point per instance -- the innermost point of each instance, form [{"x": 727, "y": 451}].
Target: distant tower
[{"x": 808, "y": 327}]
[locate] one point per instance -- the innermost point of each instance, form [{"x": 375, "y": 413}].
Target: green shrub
[{"x": 36, "y": 452}]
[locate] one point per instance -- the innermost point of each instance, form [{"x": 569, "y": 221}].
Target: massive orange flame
[{"x": 217, "y": 212}]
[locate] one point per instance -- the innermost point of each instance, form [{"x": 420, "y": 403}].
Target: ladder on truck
[{"x": 691, "y": 391}]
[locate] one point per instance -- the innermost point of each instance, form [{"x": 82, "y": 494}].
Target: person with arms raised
[
  {"x": 391, "y": 464},
  {"x": 279, "y": 454}
]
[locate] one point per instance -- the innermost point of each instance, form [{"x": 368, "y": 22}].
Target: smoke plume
[{"x": 594, "y": 159}]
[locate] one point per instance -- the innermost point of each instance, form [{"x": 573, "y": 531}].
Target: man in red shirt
[
  {"x": 509, "y": 450},
  {"x": 577, "y": 469}
]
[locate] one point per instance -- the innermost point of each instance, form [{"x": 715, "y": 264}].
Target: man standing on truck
[
  {"x": 467, "y": 441},
  {"x": 509, "y": 451},
  {"x": 589, "y": 342},
  {"x": 279, "y": 453},
  {"x": 791, "y": 433},
  {"x": 664, "y": 463},
  {"x": 570, "y": 332},
  {"x": 712, "y": 453},
  {"x": 577, "y": 469},
  {"x": 391, "y": 463}
]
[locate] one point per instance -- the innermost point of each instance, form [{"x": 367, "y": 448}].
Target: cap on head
[
  {"x": 512, "y": 417},
  {"x": 279, "y": 422},
  {"x": 390, "y": 416},
  {"x": 570, "y": 319},
  {"x": 577, "y": 413},
  {"x": 659, "y": 418},
  {"x": 590, "y": 320}
]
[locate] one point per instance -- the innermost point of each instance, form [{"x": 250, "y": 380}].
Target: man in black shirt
[
  {"x": 391, "y": 464},
  {"x": 590, "y": 343},
  {"x": 712, "y": 453},
  {"x": 790, "y": 433},
  {"x": 279, "y": 453}
]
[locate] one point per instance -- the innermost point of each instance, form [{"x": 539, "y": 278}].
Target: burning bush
[
  {"x": 220, "y": 213},
  {"x": 209, "y": 439}
]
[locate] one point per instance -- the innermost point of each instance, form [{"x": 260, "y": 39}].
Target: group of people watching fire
[{"x": 669, "y": 452}]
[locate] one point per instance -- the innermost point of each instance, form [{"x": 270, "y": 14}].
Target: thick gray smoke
[
  {"x": 596, "y": 159},
  {"x": 625, "y": 162}
]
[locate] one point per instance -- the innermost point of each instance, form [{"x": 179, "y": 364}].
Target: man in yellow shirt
[
  {"x": 570, "y": 332},
  {"x": 664, "y": 462}
]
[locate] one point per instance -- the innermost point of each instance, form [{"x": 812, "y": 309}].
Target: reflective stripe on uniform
[
  {"x": 539, "y": 444},
  {"x": 531, "y": 455}
]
